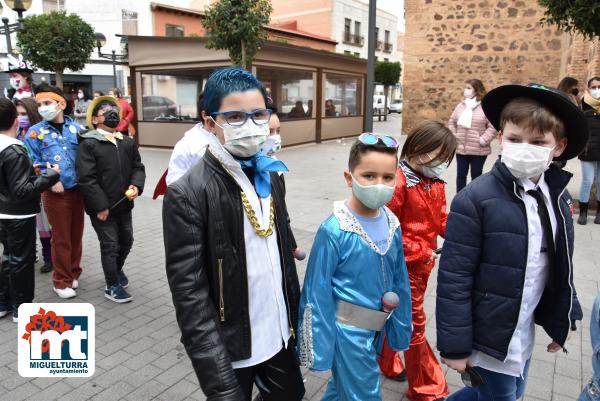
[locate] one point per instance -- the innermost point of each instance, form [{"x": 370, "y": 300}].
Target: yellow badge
[{"x": 41, "y": 136}]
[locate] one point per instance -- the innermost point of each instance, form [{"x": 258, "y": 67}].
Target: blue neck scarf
[{"x": 263, "y": 165}]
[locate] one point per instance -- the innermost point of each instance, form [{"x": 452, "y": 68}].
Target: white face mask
[
  {"x": 373, "y": 196},
  {"x": 271, "y": 145},
  {"x": 49, "y": 112},
  {"x": 469, "y": 93},
  {"x": 595, "y": 93},
  {"x": 435, "y": 171},
  {"x": 80, "y": 95},
  {"x": 524, "y": 160},
  {"x": 244, "y": 140}
]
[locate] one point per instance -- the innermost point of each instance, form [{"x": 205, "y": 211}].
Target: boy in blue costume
[{"x": 356, "y": 258}]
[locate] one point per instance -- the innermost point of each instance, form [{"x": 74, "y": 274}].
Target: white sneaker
[
  {"x": 65, "y": 293},
  {"x": 75, "y": 284}
]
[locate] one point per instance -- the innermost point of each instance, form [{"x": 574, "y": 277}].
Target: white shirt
[
  {"x": 521, "y": 344},
  {"x": 269, "y": 324},
  {"x": 188, "y": 152}
]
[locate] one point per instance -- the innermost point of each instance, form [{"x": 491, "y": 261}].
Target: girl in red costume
[{"x": 419, "y": 202}]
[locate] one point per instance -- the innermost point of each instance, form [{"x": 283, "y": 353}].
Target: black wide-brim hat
[{"x": 576, "y": 126}]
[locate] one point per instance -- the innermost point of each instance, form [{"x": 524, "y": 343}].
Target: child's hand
[
  {"x": 58, "y": 188},
  {"x": 102, "y": 215},
  {"x": 433, "y": 257},
  {"x": 457, "y": 364},
  {"x": 132, "y": 192},
  {"x": 553, "y": 347}
]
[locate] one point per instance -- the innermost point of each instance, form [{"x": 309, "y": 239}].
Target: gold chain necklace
[{"x": 254, "y": 220}]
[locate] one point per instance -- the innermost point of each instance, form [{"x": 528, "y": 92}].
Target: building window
[
  {"x": 356, "y": 54},
  {"x": 347, "y": 34},
  {"x": 53, "y": 5},
  {"x": 347, "y": 52},
  {"x": 130, "y": 22},
  {"x": 343, "y": 95},
  {"x": 356, "y": 28},
  {"x": 172, "y": 96},
  {"x": 386, "y": 59},
  {"x": 388, "y": 46},
  {"x": 292, "y": 91},
  {"x": 174, "y": 31},
  {"x": 376, "y": 33}
]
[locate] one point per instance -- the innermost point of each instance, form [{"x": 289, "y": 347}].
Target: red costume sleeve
[{"x": 444, "y": 214}]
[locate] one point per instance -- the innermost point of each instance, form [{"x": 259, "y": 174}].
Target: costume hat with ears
[{"x": 16, "y": 63}]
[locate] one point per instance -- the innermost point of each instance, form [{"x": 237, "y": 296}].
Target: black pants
[
  {"x": 116, "y": 238},
  {"x": 462, "y": 166},
  {"x": 17, "y": 278},
  {"x": 277, "y": 379}
]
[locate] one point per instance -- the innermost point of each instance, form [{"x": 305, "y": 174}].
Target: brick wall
[{"x": 450, "y": 41}]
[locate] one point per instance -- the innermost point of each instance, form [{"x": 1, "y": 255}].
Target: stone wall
[{"x": 450, "y": 41}]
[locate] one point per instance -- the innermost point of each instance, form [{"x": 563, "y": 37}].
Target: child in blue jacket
[{"x": 506, "y": 264}]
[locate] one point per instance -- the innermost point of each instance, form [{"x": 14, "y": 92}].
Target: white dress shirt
[{"x": 521, "y": 344}]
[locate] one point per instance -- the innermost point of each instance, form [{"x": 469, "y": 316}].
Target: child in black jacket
[
  {"x": 20, "y": 191},
  {"x": 110, "y": 174}
]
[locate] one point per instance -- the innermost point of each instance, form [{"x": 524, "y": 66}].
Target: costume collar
[{"x": 349, "y": 223}]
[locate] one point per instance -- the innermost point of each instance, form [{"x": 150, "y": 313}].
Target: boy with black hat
[
  {"x": 506, "y": 264},
  {"x": 110, "y": 175}
]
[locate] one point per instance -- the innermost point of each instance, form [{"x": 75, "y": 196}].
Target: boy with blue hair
[{"x": 228, "y": 250}]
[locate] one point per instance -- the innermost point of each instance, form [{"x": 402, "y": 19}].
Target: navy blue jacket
[{"x": 482, "y": 267}]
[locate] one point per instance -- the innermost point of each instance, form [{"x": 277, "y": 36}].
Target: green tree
[
  {"x": 387, "y": 73},
  {"x": 57, "y": 41},
  {"x": 237, "y": 26},
  {"x": 575, "y": 16}
]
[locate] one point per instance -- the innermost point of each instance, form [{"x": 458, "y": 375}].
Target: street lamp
[
  {"x": 20, "y": 6},
  {"x": 100, "y": 42}
]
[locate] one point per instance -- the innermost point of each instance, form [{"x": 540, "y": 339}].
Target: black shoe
[
  {"x": 47, "y": 268},
  {"x": 583, "y": 211},
  {"x": 401, "y": 377}
]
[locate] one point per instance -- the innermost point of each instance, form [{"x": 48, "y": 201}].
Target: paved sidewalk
[{"x": 138, "y": 353}]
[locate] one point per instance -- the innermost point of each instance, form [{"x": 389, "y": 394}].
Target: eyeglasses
[
  {"x": 238, "y": 117},
  {"x": 372, "y": 139}
]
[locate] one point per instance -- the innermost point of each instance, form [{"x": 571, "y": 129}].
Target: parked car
[
  {"x": 395, "y": 106},
  {"x": 158, "y": 108},
  {"x": 378, "y": 104}
]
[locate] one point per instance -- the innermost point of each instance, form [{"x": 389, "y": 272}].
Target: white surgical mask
[
  {"x": 80, "y": 95},
  {"x": 48, "y": 112},
  {"x": 595, "y": 93},
  {"x": 435, "y": 171},
  {"x": 524, "y": 160},
  {"x": 468, "y": 93},
  {"x": 271, "y": 145},
  {"x": 372, "y": 196},
  {"x": 244, "y": 140}
]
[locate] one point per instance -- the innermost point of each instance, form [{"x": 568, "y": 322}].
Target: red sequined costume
[{"x": 420, "y": 205}]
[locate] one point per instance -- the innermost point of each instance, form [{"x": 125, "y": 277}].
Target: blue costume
[
  {"x": 46, "y": 144},
  {"x": 345, "y": 265}
]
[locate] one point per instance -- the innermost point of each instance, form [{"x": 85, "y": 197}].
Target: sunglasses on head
[{"x": 372, "y": 139}]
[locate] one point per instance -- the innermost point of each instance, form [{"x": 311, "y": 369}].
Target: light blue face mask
[
  {"x": 435, "y": 171},
  {"x": 373, "y": 196},
  {"x": 48, "y": 112}
]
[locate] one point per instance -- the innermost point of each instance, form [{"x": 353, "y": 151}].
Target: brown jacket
[{"x": 475, "y": 140}]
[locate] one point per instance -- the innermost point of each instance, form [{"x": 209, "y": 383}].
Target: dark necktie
[{"x": 548, "y": 234}]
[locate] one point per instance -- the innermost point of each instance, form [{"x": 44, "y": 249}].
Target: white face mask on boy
[{"x": 524, "y": 160}]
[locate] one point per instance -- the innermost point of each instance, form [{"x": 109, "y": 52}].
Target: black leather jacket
[
  {"x": 203, "y": 225},
  {"x": 20, "y": 188}
]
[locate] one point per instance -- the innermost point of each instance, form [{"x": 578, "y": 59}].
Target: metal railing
[{"x": 351, "y": 39}]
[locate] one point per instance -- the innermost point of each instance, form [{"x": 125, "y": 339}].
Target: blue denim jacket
[
  {"x": 46, "y": 144},
  {"x": 591, "y": 392}
]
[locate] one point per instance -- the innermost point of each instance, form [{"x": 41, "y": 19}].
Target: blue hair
[{"x": 228, "y": 80}]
